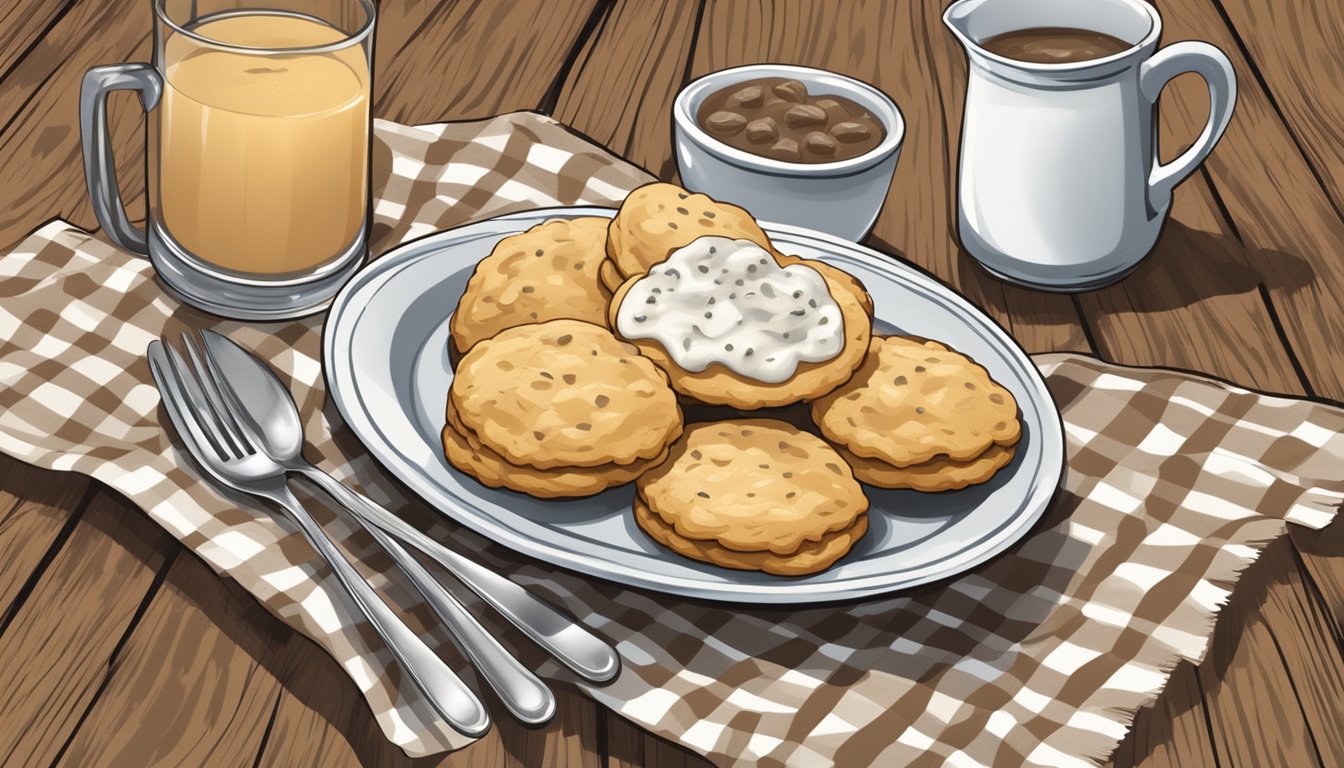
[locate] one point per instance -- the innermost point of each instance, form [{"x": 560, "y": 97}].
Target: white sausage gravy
[{"x": 728, "y": 301}]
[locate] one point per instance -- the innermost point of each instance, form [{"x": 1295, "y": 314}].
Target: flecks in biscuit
[
  {"x": 549, "y": 272},
  {"x": 932, "y": 476},
  {"x": 565, "y": 394},
  {"x": 656, "y": 219},
  {"x": 753, "y": 485},
  {"x": 464, "y": 450},
  {"x": 914, "y": 400},
  {"x": 811, "y": 557}
]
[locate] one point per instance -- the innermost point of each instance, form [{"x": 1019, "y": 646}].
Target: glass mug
[{"x": 257, "y": 156}]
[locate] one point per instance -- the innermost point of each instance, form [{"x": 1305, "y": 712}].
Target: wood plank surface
[
  {"x": 41, "y": 169},
  {"x": 1269, "y": 726},
  {"x": 1296, "y": 54},
  {"x": 457, "y": 61},
  {"x": 1289, "y": 229},
  {"x": 194, "y": 684},
  {"x": 1244, "y": 285},
  {"x": 37, "y": 508},
  {"x": 620, "y": 94},
  {"x": 1174, "y": 732},
  {"x": 1309, "y": 646},
  {"x": 23, "y": 26},
  {"x": 68, "y": 635},
  {"x": 630, "y": 747}
]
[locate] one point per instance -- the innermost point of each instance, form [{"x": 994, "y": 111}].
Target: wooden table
[{"x": 121, "y": 647}]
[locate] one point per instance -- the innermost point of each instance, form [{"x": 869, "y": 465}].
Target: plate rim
[{"x": 342, "y": 318}]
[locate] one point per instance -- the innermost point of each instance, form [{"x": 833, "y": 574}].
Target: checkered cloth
[{"x": 1041, "y": 656}]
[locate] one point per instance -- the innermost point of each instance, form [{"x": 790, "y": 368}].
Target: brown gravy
[{"x": 776, "y": 117}]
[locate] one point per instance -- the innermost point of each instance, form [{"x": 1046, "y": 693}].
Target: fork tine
[
  {"x": 200, "y": 407},
  {"x": 175, "y": 400},
  {"x": 223, "y": 407},
  {"x": 232, "y": 401}
]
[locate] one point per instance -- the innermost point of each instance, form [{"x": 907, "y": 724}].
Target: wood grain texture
[
  {"x": 631, "y": 747},
  {"x": 1289, "y": 229},
  {"x": 463, "y": 60},
  {"x": 41, "y": 170},
  {"x": 36, "y": 507},
  {"x": 1286, "y": 233},
  {"x": 65, "y": 639},
  {"x": 1309, "y": 645},
  {"x": 321, "y": 719},
  {"x": 1252, "y": 250},
  {"x": 22, "y": 26},
  {"x": 1196, "y": 302},
  {"x": 194, "y": 684},
  {"x": 1252, "y": 700},
  {"x": 1298, "y": 50},
  {"x": 1322, "y": 554},
  {"x": 620, "y": 94},
  {"x": 1174, "y": 731},
  {"x": 1192, "y": 305}
]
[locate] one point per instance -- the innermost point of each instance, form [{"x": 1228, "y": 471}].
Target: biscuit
[
  {"x": 610, "y": 276},
  {"x": 836, "y": 278},
  {"x": 914, "y": 400},
  {"x": 464, "y": 450},
  {"x": 718, "y": 385},
  {"x": 564, "y": 394},
  {"x": 753, "y": 485},
  {"x": 932, "y": 476},
  {"x": 811, "y": 557},
  {"x": 657, "y": 219},
  {"x": 546, "y": 273}
]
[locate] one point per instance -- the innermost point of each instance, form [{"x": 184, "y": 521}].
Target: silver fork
[
  {"x": 523, "y": 694},
  {"x": 230, "y": 458},
  {"x": 264, "y": 408}
]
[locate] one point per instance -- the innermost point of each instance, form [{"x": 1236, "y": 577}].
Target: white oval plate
[{"x": 386, "y": 361}]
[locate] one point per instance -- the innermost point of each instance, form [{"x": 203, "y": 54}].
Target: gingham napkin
[{"x": 1040, "y": 657}]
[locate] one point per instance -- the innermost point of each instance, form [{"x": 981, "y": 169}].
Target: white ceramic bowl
[{"x": 841, "y": 198}]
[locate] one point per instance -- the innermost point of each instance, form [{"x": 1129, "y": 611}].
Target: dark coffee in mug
[{"x": 1054, "y": 45}]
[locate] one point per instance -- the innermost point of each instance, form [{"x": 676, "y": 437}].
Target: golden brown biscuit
[
  {"x": 565, "y": 394},
  {"x": 754, "y": 485},
  {"x": 464, "y": 450},
  {"x": 546, "y": 273},
  {"x": 914, "y": 400},
  {"x": 934, "y": 475},
  {"x": 657, "y": 219},
  {"x": 718, "y": 385},
  {"x": 834, "y": 276},
  {"x": 811, "y": 557},
  {"x": 610, "y": 276}
]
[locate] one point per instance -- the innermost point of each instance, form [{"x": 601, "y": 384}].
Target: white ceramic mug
[{"x": 1060, "y": 186}]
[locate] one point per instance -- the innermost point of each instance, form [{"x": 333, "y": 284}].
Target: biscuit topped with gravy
[{"x": 732, "y": 325}]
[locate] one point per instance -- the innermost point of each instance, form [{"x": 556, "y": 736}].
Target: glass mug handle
[
  {"x": 1211, "y": 64},
  {"x": 100, "y": 169}
]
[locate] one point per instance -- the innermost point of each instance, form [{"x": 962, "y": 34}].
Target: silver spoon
[
  {"x": 523, "y": 694},
  {"x": 233, "y": 460},
  {"x": 268, "y": 404}
]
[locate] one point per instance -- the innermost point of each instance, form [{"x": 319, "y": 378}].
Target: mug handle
[
  {"x": 100, "y": 169},
  {"x": 1211, "y": 64}
]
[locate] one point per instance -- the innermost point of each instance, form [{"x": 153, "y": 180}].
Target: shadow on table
[
  {"x": 1187, "y": 266},
  {"x": 1190, "y": 265}
]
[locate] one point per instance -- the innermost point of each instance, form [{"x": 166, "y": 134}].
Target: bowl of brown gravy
[{"x": 791, "y": 144}]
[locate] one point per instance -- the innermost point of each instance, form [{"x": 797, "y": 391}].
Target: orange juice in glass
[{"x": 258, "y": 155}]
